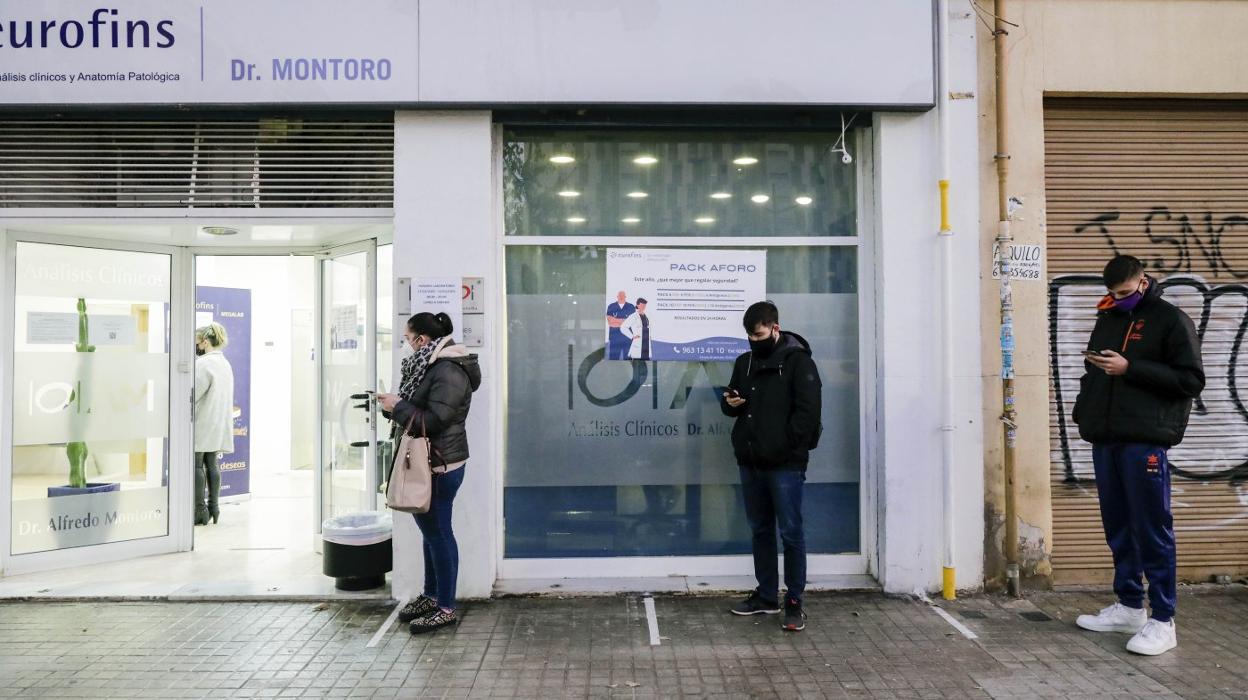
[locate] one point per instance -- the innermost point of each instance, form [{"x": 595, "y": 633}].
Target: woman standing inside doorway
[
  {"x": 436, "y": 393},
  {"x": 214, "y": 418}
]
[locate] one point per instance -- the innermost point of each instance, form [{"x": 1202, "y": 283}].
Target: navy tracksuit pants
[{"x": 1133, "y": 483}]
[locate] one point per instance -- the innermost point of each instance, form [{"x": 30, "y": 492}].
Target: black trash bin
[{"x": 358, "y": 551}]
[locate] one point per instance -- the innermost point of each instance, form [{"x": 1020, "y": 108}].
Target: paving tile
[{"x": 858, "y": 645}]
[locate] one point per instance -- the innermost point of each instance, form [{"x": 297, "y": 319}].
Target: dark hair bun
[{"x": 448, "y": 327}]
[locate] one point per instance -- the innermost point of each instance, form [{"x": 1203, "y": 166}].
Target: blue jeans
[
  {"x": 774, "y": 497},
  {"x": 1133, "y": 485},
  {"x": 441, "y": 550}
]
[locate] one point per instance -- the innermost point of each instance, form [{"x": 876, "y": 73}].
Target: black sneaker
[
  {"x": 794, "y": 616},
  {"x": 438, "y": 619},
  {"x": 756, "y": 605},
  {"x": 420, "y": 607}
]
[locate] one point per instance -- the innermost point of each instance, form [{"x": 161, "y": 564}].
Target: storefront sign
[
  {"x": 674, "y": 304},
  {"x": 44, "y": 524},
  {"x": 467, "y": 52},
  {"x": 474, "y": 295},
  {"x": 70, "y": 272},
  {"x": 224, "y": 51},
  {"x": 232, "y": 309},
  {"x": 1025, "y": 261}
]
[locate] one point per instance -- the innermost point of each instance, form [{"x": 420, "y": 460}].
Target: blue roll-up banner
[{"x": 232, "y": 309}]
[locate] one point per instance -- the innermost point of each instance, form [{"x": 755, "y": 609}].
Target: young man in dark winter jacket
[
  {"x": 1143, "y": 371},
  {"x": 775, "y": 395}
]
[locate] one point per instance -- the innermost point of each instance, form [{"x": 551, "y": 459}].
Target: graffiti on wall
[
  {"x": 1195, "y": 257},
  {"x": 1182, "y": 243}
]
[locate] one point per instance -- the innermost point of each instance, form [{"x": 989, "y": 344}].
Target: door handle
[{"x": 366, "y": 443}]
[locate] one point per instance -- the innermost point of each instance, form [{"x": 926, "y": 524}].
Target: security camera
[{"x": 846, "y": 158}]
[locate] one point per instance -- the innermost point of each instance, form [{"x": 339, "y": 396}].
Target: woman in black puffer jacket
[{"x": 436, "y": 392}]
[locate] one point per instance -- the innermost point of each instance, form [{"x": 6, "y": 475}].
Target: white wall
[
  {"x": 278, "y": 284},
  {"x": 908, "y": 324},
  {"x": 444, "y": 225}
]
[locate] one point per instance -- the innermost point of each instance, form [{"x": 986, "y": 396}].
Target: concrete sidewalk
[{"x": 860, "y": 645}]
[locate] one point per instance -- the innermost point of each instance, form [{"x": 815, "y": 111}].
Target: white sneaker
[
  {"x": 1156, "y": 638},
  {"x": 1115, "y": 618}
]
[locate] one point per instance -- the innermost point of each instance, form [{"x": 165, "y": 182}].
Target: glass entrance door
[
  {"x": 97, "y": 415},
  {"x": 348, "y": 477}
]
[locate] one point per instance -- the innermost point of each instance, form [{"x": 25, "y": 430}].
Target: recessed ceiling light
[
  {"x": 745, "y": 160},
  {"x": 721, "y": 195},
  {"x": 575, "y": 219},
  {"x": 803, "y": 200},
  {"x": 562, "y": 160},
  {"x": 630, "y": 220},
  {"x": 569, "y": 193},
  {"x": 645, "y": 160},
  {"x": 638, "y": 195},
  {"x": 705, "y": 220},
  {"x": 760, "y": 198},
  {"x": 220, "y": 231}
]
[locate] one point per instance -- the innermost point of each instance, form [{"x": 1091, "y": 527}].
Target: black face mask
[
  {"x": 199, "y": 351},
  {"x": 762, "y": 349}
]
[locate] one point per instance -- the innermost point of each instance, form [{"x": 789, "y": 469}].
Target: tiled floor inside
[{"x": 262, "y": 546}]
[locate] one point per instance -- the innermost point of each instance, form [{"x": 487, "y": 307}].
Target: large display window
[
  {"x": 610, "y": 456},
  {"x": 91, "y": 344}
]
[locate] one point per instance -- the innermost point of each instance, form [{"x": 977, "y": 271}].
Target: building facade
[
  {"x": 524, "y": 147},
  {"x": 1125, "y": 123}
]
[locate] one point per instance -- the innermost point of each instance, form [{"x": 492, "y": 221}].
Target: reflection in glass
[
  {"x": 345, "y": 372},
  {"x": 676, "y": 183},
  {"x": 619, "y": 458}
]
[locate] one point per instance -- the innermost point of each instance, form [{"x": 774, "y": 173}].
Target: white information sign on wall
[
  {"x": 674, "y": 304},
  {"x": 1025, "y": 261},
  {"x": 440, "y": 295}
]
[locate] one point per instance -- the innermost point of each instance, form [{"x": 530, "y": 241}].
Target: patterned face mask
[{"x": 1126, "y": 304}]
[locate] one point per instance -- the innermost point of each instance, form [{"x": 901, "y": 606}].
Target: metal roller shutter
[
  {"x": 1168, "y": 183},
  {"x": 253, "y": 163}
]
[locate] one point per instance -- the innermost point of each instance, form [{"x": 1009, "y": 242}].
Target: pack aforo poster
[{"x": 680, "y": 304}]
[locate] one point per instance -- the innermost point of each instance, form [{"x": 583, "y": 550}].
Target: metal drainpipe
[
  {"x": 949, "y": 585},
  {"x": 1009, "y": 416}
]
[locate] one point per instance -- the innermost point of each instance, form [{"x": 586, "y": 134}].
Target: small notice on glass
[{"x": 61, "y": 328}]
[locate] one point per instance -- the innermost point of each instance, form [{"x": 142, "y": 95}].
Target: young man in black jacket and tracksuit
[
  {"x": 1143, "y": 371},
  {"x": 776, "y": 396}
]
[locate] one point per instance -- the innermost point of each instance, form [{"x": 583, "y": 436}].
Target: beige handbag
[{"x": 410, "y": 488}]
